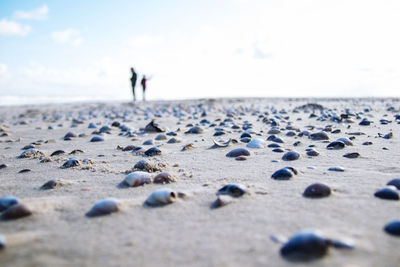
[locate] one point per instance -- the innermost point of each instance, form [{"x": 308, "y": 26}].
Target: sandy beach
[{"x": 190, "y": 231}]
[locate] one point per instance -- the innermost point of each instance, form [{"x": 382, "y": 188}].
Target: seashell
[
  {"x": 278, "y": 150},
  {"x": 24, "y": 171},
  {"x": 137, "y": 178},
  {"x": 28, "y": 146},
  {"x": 69, "y": 135},
  {"x": 2, "y": 242},
  {"x": 161, "y": 197},
  {"x": 71, "y": 162},
  {"x": 163, "y": 178},
  {"x": 104, "y": 207},
  {"x": 336, "y": 145},
  {"x": 115, "y": 124},
  {"x": 336, "y": 169},
  {"x": 319, "y": 136},
  {"x": 153, "y": 151},
  {"x": 277, "y": 140},
  {"x": 284, "y": 174},
  {"x": 6, "y": 202},
  {"x": 290, "y": 133},
  {"x": 312, "y": 153},
  {"x": 128, "y": 148},
  {"x": 395, "y": 182},
  {"x": 51, "y": 184},
  {"x": 145, "y": 165},
  {"x": 297, "y": 143},
  {"x": 160, "y": 137},
  {"x": 57, "y": 152},
  {"x": 241, "y": 158},
  {"x": 92, "y": 125},
  {"x": 256, "y": 143},
  {"x": 317, "y": 190},
  {"x": 76, "y": 151},
  {"x": 345, "y": 140},
  {"x": 31, "y": 153},
  {"x": 15, "y": 212},
  {"x": 238, "y": 152},
  {"x": 222, "y": 143},
  {"x": 218, "y": 133},
  {"x": 97, "y": 138},
  {"x": 245, "y": 139},
  {"x": 309, "y": 245},
  {"x": 388, "y": 136},
  {"x": 352, "y": 155},
  {"x": 3, "y": 166},
  {"x": 291, "y": 155},
  {"x": 245, "y": 134},
  {"x": 365, "y": 122},
  {"x": 195, "y": 130},
  {"x": 233, "y": 190},
  {"x": 139, "y": 150},
  {"x": 221, "y": 201},
  {"x": 171, "y": 134},
  {"x": 393, "y": 228},
  {"x": 274, "y": 130},
  {"x": 154, "y": 127},
  {"x": 388, "y": 192},
  {"x": 274, "y": 145},
  {"x": 174, "y": 140},
  {"x": 105, "y": 129},
  {"x": 148, "y": 142}
]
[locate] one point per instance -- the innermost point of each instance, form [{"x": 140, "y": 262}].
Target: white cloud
[
  {"x": 68, "y": 36},
  {"x": 35, "y": 14},
  {"x": 8, "y": 27},
  {"x": 3, "y": 69}
]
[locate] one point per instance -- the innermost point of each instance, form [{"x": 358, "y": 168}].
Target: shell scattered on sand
[
  {"x": 153, "y": 151},
  {"x": 104, "y": 207},
  {"x": 238, "y": 152},
  {"x": 6, "y": 202},
  {"x": 256, "y": 143},
  {"x": 137, "y": 178},
  {"x": 71, "y": 162},
  {"x": 161, "y": 197},
  {"x": 164, "y": 178},
  {"x": 389, "y": 192},
  {"x": 393, "y": 228},
  {"x": 284, "y": 174},
  {"x": 317, "y": 190},
  {"x": 16, "y": 211},
  {"x": 291, "y": 155},
  {"x": 395, "y": 182},
  {"x": 233, "y": 190}
]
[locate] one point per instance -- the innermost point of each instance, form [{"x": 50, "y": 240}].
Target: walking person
[
  {"x": 133, "y": 82},
  {"x": 143, "y": 83}
]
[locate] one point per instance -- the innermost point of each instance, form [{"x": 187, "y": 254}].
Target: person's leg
[{"x": 133, "y": 92}]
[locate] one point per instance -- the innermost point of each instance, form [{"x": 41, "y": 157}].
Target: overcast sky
[{"x": 208, "y": 48}]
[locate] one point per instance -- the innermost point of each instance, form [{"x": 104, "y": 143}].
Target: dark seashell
[
  {"x": 221, "y": 201},
  {"x": 218, "y": 133},
  {"x": 28, "y": 146},
  {"x": 57, "y": 152},
  {"x": 128, "y": 148},
  {"x": 116, "y": 124},
  {"x": 336, "y": 145},
  {"x": 31, "y": 153},
  {"x": 148, "y": 142},
  {"x": 393, "y": 228},
  {"x": 274, "y": 145},
  {"x": 336, "y": 131},
  {"x": 195, "y": 130},
  {"x": 104, "y": 207},
  {"x": 284, "y": 174},
  {"x": 336, "y": 169},
  {"x": 277, "y": 140},
  {"x": 6, "y": 202},
  {"x": 346, "y": 141},
  {"x": 290, "y": 133},
  {"x": 154, "y": 127},
  {"x": 76, "y": 151},
  {"x": 97, "y": 138},
  {"x": 2, "y": 166},
  {"x": 297, "y": 143},
  {"x": 274, "y": 130},
  {"x": 241, "y": 158},
  {"x": 395, "y": 182},
  {"x": 72, "y": 162},
  {"x": 388, "y": 136},
  {"x": 365, "y": 122},
  {"x": 233, "y": 190},
  {"x": 124, "y": 128},
  {"x": 278, "y": 150},
  {"x": 164, "y": 178},
  {"x": 271, "y": 137},
  {"x": 312, "y": 153},
  {"x": 171, "y": 134},
  {"x": 317, "y": 190},
  {"x": 15, "y": 212},
  {"x": 92, "y": 125},
  {"x": 238, "y": 152},
  {"x": 153, "y": 151},
  {"x": 291, "y": 155},
  {"x": 69, "y": 135},
  {"x": 173, "y": 140},
  {"x": 24, "y": 171},
  {"x": 160, "y": 137},
  {"x": 51, "y": 184},
  {"x": 305, "y": 246},
  {"x": 245, "y": 134},
  {"x": 319, "y": 136},
  {"x": 388, "y": 192},
  {"x": 105, "y": 129},
  {"x": 245, "y": 139},
  {"x": 352, "y": 155}
]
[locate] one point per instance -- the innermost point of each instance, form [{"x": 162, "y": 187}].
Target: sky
[{"x": 196, "y": 49}]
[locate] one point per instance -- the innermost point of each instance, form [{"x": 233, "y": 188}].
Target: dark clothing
[
  {"x": 143, "y": 83},
  {"x": 133, "y": 81}
]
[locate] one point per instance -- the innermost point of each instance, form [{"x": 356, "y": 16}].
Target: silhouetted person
[
  {"x": 143, "y": 83},
  {"x": 133, "y": 81}
]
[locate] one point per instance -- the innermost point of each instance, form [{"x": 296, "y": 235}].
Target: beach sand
[{"x": 188, "y": 232}]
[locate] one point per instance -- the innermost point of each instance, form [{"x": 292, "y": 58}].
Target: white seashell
[
  {"x": 104, "y": 207},
  {"x": 137, "y": 178},
  {"x": 256, "y": 143},
  {"x": 222, "y": 143},
  {"x": 161, "y": 197}
]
